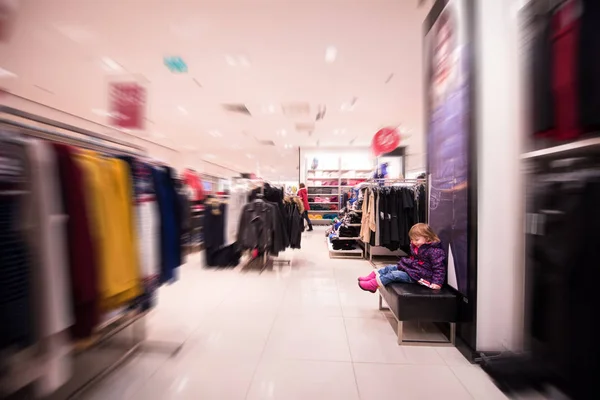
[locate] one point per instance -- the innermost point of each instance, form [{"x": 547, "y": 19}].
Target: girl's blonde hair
[{"x": 423, "y": 230}]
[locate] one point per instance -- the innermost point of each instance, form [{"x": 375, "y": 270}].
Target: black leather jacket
[{"x": 257, "y": 227}]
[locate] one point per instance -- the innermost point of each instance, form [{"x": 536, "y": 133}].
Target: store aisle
[{"x": 299, "y": 332}]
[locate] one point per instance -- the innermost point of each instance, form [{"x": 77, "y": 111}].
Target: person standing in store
[
  {"x": 448, "y": 136},
  {"x": 303, "y": 194}
]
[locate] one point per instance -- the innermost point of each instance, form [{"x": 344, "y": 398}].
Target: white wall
[{"x": 500, "y": 132}]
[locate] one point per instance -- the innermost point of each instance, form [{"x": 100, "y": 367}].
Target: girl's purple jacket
[{"x": 426, "y": 262}]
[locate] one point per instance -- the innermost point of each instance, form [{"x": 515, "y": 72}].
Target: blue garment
[
  {"x": 391, "y": 273},
  {"x": 448, "y": 138},
  {"x": 170, "y": 249}
]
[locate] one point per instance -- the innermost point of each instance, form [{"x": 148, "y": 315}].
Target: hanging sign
[
  {"x": 127, "y": 105},
  {"x": 385, "y": 140},
  {"x": 175, "y": 64}
]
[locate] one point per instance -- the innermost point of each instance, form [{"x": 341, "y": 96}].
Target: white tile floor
[{"x": 303, "y": 331}]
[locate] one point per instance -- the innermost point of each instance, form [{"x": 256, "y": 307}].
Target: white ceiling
[{"x": 58, "y": 46}]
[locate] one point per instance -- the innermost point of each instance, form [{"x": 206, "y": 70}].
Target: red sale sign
[{"x": 127, "y": 105}]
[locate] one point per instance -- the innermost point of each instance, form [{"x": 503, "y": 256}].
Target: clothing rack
[
  {"x": 266, "y": 257},
  {"x": 374, "y": 182},
  {"x": 20, "y": 122}
]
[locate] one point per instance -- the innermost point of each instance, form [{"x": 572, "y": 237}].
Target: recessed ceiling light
[
  {"x": 249, "y": 155},
  {"x": 237, "y": 61},
  {"x": 288, "y": 146},
  {"x": 158, "y": 135},
  {"x": 215, "y": 133},
  {"x": 230, "y": 61},
  {"x": 7, "y": 74},
  {"x": 281, "y": 132},
  {"x": 244, "y": 62},
  {"x": 182, "y": 110},
  {"x": 210, "y": 156},
  {"x": 270, "y": 109},
  {"x": 110, "y": 64},
  {"x": 191, "y": 148},
  {"x": 330, "y": 54},
  {"x": 339, "y": 131},
  {"x": 349, "y": 106}
]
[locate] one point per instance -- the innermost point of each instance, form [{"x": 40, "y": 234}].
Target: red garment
[
  {"x": 82, "y": 254},
  {"x": 565, "y": 39},
  {"x": 303, "y": 194},
  {"x": 192, "y": 179}
]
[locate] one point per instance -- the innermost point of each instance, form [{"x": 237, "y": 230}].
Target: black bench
[{"x": 414, "y": 302}]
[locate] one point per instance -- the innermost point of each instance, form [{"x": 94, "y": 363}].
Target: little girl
[{"x": 426, "y": 264}]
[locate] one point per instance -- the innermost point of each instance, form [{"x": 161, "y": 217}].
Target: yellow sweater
[{"x": 110, "y": 201}]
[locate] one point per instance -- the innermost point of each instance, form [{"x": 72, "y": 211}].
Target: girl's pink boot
[
  {"x": 368, "y": 277},
  {"x": 369, "y": 286}
]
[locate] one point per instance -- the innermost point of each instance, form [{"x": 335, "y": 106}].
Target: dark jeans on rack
[
  {"x": 448, "y": 213},
  {"x": 305, "y": 217}
]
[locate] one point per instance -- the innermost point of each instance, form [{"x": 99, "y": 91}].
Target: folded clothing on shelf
[
  {"x": 354, "y": 217},
  {"x": 349, "y": 231},
  {"x": 342, "y": 244}
]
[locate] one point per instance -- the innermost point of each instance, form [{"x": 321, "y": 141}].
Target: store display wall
[{"x": 451, "y": 151}]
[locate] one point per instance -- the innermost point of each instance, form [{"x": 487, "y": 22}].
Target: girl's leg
[
  {"x": 383, "y": 270},
  {"x": 394, "y": 276},
  {"x": 387, "y": 269}
]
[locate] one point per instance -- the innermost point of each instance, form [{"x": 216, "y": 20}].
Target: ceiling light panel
[
  {"x": 215, "y": 133},
  {"x": 110, "y": 65},
  {"x": 237, "y": 60},
  {"x": 7, "y": 74},
  {"x": 330, "y": 54}
]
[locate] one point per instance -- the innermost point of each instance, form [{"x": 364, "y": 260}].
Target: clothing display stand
[
  {"x": 379, "y": 251},
  {"x": 20, "y": 375},
  {"x": 266, "y": 257}
]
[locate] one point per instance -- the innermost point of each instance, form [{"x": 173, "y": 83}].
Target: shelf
[
  {"x": 582, "y": 147},
  {"x": 354, "y": 253},
  {"x": 326, "y": 203},
  {"x": 326, "y": 179},
  {"x": 349, "y": 238},
  {"x": 323, "y": 211},
  {"x": 323, "y": 170},
  {"x": 353, "y": 224},
  {"x": 321, "y": 221}
]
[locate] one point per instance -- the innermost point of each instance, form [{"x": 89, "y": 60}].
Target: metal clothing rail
[
  {"x": 115, "y": 325},
  {"x": 79, "y": 118},
  {"x": 60, "y": 125}
]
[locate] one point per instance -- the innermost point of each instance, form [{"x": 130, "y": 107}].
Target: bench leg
[
  {"x": 453, "y": 333},
  {"x": 380, "y": 303},
  {"x": 400, "y": 332}
]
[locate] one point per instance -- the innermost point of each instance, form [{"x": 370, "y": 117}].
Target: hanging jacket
[
  {"x": 111, "y": 210},
  {"x": 82, "y": 251},
  {"x": 257, "y": 226},
  {"x": 426, "y": 262}
]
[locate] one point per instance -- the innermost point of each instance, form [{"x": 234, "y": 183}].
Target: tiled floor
[{"x": 303, "y": 331}]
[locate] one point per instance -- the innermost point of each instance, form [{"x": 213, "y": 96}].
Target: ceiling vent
[
  {"x": 266, "y": 142},
  {"x": 236, "y": 108},
  {"x": 321, "y": 110},
  {"x": 305, "y": 127},
  {"x": 296, "y": 109}
]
